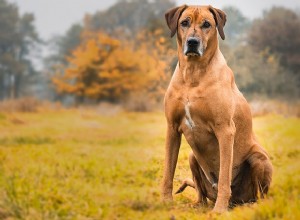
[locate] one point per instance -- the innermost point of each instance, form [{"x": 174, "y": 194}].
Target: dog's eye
[
  {"x": 185, "y": 23},
  {"x": 206, "y": 24}
]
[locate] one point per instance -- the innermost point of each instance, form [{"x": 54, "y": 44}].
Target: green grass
[{"x": 78, "y": 164}]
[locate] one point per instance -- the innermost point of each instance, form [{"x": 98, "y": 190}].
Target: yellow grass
[{"x": 79, "y": 164}]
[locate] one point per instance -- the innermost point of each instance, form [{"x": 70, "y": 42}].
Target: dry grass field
[{"x": 81, "y": 164}]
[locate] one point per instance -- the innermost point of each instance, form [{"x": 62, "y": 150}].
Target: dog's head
[{"x": 196, "y": 26}]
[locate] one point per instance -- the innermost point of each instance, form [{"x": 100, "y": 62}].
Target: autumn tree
[
  {"x": 104, "y": 68},
  {"x": 276, "y": 34},
  {"x": 256, "y": 75},
  {"x": 123, "y": 20},
  {"x": 146, "y": 24}
]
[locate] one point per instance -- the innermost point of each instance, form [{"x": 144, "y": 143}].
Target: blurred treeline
[
  {"x": 125, "y": 55},
  {"x": 18, "y": 38}
]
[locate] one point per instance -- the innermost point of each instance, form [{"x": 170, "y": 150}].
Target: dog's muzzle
[{"x": 193, "y": 47}]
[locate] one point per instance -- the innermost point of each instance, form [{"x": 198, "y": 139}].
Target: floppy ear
[
  {"x": 220, "y": 18},
  {"x": 172, "y": 17}
]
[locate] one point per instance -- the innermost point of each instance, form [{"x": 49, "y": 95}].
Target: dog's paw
[
  {"x": 220, "y": 207},
  {"x": 219, "y": 210},
  {"x": 167, "y": 198},
  {"x": 198, "y": 204}
]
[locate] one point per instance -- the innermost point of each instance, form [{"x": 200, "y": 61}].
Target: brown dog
[{"x": 204, "y": 104}]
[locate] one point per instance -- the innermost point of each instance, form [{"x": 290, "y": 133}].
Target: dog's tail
[{"x": 187, "y": 182}]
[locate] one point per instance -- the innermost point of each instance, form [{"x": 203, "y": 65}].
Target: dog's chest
[
  {"x": 197, "y": 130},
  {"x": 191, "y": 108},
  {"x": 195, "y": 115}
]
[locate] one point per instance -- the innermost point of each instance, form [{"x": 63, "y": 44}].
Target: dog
[{"x": 203, "y": 103}]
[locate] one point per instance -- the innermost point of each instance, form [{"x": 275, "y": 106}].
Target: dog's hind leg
[
  {"x": 198, "y": 181},
  {"x": 187, "y": 182},
  {"x": 243, "y": 187},
  {"x": 261, "y": 170}
]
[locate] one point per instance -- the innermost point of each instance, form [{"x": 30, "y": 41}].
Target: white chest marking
[{"x": 188, "y": 119}]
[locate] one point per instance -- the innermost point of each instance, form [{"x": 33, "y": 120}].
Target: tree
[
  {"x": 139, "y": 28},
  {"x": 64, "y": 45},
  {"x": 17, "y": 36},
  {"x": 278, "y": 33},
  {"x": 259, "y": 69},
  {"x": 237, "y": 25},
  {"x": 259, "y": 73},
  {"x": 104, "y": 68},
  {"x": 131, "y": 16}
]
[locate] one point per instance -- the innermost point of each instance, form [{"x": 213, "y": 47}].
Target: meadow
[{"x": 82, "y": 164}]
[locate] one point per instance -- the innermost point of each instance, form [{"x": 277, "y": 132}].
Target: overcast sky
[{"x": 54, "y": 17}]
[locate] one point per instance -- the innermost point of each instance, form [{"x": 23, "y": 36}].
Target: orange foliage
[{"x": 106, "y": 68}]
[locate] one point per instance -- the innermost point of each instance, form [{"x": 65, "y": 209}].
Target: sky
[{"x": 54, "y": 17}]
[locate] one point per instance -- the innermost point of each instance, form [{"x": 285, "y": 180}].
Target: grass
[{"x": 79, "y": 164}]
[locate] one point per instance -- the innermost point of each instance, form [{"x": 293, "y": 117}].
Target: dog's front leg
[
  {"x": 173, "y": 141},
  {"x": 225, "y": 135}
]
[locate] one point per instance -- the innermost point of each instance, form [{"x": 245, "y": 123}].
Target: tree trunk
[
  {"x": 12, "y": 84},
  {"x": 2, "y": 87},
  {"x": 17, "y": 85}
]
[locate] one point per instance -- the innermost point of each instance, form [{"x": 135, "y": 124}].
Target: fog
[{"x": 54, "y": 17}]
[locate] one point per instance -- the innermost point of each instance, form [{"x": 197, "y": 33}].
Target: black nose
[{"x": 193, "y": 42}]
